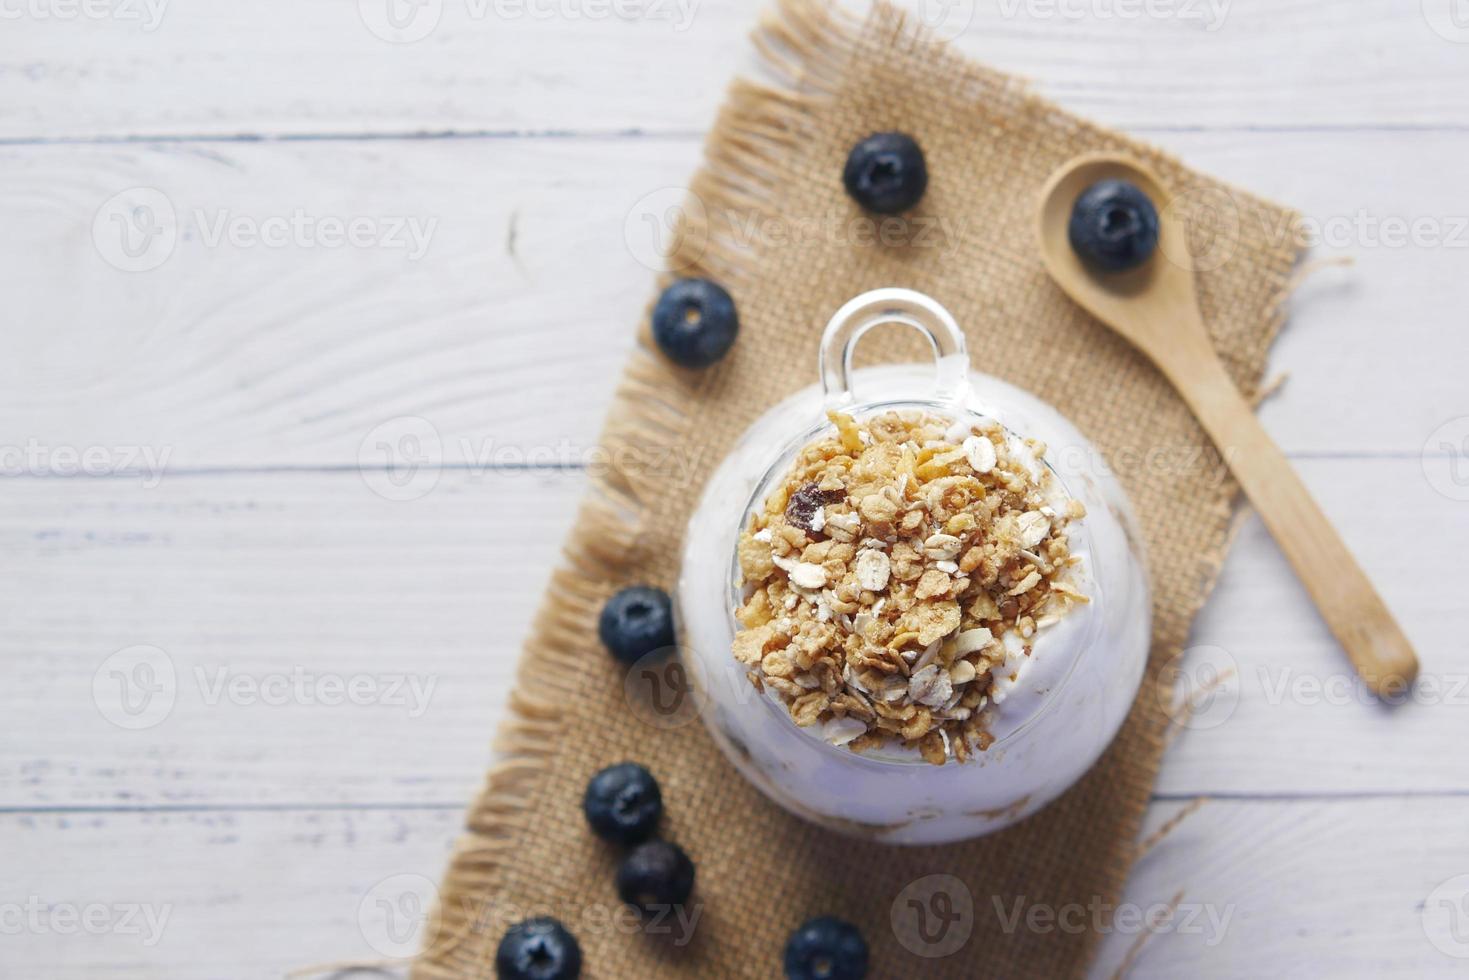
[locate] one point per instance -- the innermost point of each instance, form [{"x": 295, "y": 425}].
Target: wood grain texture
[
  {"x": 1306, "y": 888},
  {"x": 249, "y": 355},
  {"x": 210, "y": 894},
  {"x": 281, "y": 68},
  {"x": 1294, "y": 719},
  {"x": 258, "y": 893},
  {"x": 262, "y": 593},
  {"x": 254, "y": 579}
]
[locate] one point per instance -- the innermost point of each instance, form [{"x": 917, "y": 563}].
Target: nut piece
[
  {"x": 981, "y": 454},
  {"x": 930, "y": 686},
  {"x": 808, "y": 576},
  {"x": 1026, "y": 584},
  {"x": 840, "y": 731},
  {"x": 942, "y": 547},
  {"x": 970, "y": 641},
  {"x": 1033, "y": 527},
  {"x": 873, "y": 567}
]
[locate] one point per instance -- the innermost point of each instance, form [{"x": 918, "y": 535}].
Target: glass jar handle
[{"x": 893, "y": 305}]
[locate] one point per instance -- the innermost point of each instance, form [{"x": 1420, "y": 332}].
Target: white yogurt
[{"x": 1051, "y": 713}]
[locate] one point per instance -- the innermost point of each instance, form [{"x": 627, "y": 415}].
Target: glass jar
[{"x": 1049, "y": 721}]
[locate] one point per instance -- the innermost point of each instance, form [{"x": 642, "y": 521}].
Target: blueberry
[
  {"x": 538, "y": 949},
  {"x": 886, "y": 173},
  {"x": 1114, "y": 227},
  {"x": 654, "y": 876},
  {"x": 694, "y": 322},
  {"x": 826, "y": 949},
  {"x": 623, "y": 804},
  {"x": 635, "y": 622}
]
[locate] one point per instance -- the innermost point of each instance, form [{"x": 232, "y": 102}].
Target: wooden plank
[
  {"x": 1328, "y": 888},
  {"x": 1294, "y": 718},
  {"x": 272, "y": 594},
  {"x": 1304, "y": 888},
  {"x": 231, "y": 354},
  {"x": 262, "y": 603},
  {"x": 242, "y": 894},
  {"x": 270, "y": 68},
  {"x": 249, "y": 354}
]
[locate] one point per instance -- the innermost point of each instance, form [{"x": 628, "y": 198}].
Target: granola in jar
[{"x": 897, "y": 570}]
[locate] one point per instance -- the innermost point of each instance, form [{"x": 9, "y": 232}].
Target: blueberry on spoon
[
  {"x": 695, "y": 322},
  {"x": 538, "y": 949},
  {"x": 1113, "y": 227},
  {"x": 886, "y": 173}
]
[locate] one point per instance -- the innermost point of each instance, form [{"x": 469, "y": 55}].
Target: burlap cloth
[{"x": 769, "y": 219}]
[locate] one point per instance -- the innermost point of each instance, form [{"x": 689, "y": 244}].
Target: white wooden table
[{"x": 212, "y": 763}]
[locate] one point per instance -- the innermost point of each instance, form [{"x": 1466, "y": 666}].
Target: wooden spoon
[{"x": 1156, "y": 308}]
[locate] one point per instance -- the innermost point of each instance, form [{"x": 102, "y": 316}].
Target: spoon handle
[{"x": 1345, "y": 598}]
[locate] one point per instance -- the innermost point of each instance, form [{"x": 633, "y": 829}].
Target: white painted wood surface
[
  {"x": 280, "y": 67},
  {"x": 262, "y": 377}
]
